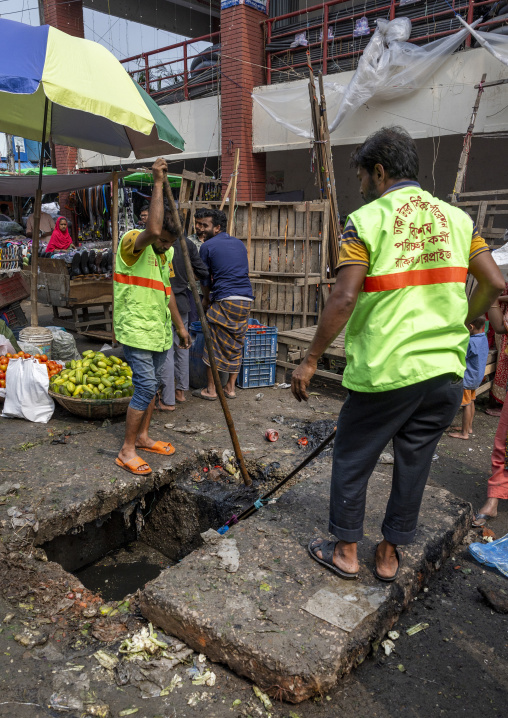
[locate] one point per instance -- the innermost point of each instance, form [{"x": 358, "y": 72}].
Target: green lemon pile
[{"x": 94, "y": 377}]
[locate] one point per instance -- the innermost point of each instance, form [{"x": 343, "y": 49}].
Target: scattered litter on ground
[
  {"x": 435, "y": 457},
  {"x": 416, "y": 628},
  {"x": 303, "y": 441},
  {"x": 23, "y": 519},
  {"x": 176, "y": 682},
  {"x": 385, "y": 458},
  {"x": 107, "y": 660},
  {"x": 401, "y": 668},
  {"x": 259, "y": 396},
  {"x": 208, "y": 678},
  {"x": 282, "y": 386},
  {"x": 229, "y": 555},
  {"x": 192, "y": 428},
  {"x": 388, "y": 646},
  {"x": 493, "y": 554},
  {"x": 108, "y": 632},
  {"x": 8, "y": 488},
  {"x": 393, "y": 635},
  {"x": 271, "y": 435},
  {"x": 128, "y": 712},
  {"x": 30, "y": 639},
  {"x": 100, "y": 710},
  {"x": 278, "y": 419},
  {"x": 262, "y": 697},
  {"x": 71, "y": 692},
  {"x": 168, "y": 426}
]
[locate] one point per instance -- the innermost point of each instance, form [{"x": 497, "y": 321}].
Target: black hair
[
  {"x": 219, "y": 219},
  {"x": 168, "y": 223},
  {"x": 479, "y": 323},
  {"x": 145, "y": 208},
  {"x": 393, "y": 149}
]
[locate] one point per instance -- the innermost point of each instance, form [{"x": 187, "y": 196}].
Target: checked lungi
[{"x": 228, "y": 321}]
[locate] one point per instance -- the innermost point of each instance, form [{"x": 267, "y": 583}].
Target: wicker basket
[{"x": 93, "y": 408}]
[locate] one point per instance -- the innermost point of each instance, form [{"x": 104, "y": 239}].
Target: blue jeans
[{"x": 146, "y": 374}]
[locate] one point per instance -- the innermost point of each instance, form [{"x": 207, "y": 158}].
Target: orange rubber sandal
[
  {"x": 133, "y": 466},
  {"x": 160, "y": 447}
]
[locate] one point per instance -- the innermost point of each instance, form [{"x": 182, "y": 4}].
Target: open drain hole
[{"x": 121, "y": 551}]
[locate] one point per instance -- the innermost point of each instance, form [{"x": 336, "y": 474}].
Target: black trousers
[{"x": 415, "y": 418}]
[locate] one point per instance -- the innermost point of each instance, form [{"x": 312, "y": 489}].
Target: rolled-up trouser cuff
[
  {"x": 401, "y": 538},
  {"x": 348, "y": 535}
]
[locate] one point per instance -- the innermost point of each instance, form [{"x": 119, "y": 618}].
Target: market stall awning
[{"x": 23, "y": 186}]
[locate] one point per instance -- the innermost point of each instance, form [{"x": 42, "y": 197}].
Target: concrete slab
[{"x": 267, "y": 621}]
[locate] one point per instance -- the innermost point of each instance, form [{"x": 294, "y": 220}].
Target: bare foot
[
  {"x": 459, "y": 429},
  {"x": 387, "y": 562},
  {"x": 144, "y": 442},
  {"x": 205, "y": 392},
  {"x": 165, "y": 407},
  {"x": 344, "y": 557},
  {"x": 180, "y": 396},
  {"x": 459, "y": 435},
  {"x": 127, "y": 454}
]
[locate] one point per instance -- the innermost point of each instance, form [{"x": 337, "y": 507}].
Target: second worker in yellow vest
[
  {"x": 144, "y": 311},
  {"x": 400, "y": 288}
]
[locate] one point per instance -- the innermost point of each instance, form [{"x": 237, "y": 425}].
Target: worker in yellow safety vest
[
  {"x": 400, "y": 288},
  {"x": 144, "y": 311}
]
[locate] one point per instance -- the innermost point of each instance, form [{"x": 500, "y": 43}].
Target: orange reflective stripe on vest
[
  {"x": 415, "y": 278},
  {"x": 141, "y": 282}
]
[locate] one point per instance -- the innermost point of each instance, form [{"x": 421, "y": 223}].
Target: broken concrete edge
[
  {"x": 263, "y": 670},
  {"x": 104, "y": 501}
]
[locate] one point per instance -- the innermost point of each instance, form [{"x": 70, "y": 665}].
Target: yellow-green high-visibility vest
[
  {"x": 141, "y": 295},
  {"x": 408, "y": 323}
]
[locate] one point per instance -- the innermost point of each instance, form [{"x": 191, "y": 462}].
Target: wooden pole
[
  {"x": 231, "y": 214},
  {"x": 306, "y": 266},
  {"x": 37, "y": 221},
  {"x": 207, "y": 335},
  {"x": 249, "y": 230},
  {"x": 466, "y": 148},
  {"x": 114, "y": 214},
  {"x": 226, "y": 194}
]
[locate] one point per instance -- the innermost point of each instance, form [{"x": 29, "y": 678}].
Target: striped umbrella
[
  {"x": 89, "y": 100},
  {"x": 76, "y": 92}
]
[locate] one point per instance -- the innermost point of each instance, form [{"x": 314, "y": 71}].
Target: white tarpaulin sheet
[{"x": 389, "y": 68}]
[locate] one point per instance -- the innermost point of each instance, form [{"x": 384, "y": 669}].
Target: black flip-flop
[
  {"x": 390, "y": 579},
  {"x": 228, "y": 395},
  {"x": 197, "y": 392},
  {"x": 327, "y": 549},
  {"x": 481, "y": 517}
]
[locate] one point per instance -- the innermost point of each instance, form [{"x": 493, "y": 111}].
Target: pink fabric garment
[
  {"x": 498, "y": 482},
  {"x": 59, "y": 240}
]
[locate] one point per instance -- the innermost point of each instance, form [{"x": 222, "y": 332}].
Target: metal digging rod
[
  {"x": 262, "y": 500},
  {"x": 207, "y": 335}
]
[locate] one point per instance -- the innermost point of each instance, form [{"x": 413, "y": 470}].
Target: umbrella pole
[
  {"x": 208, "y": 337},
  {"x": 36, "y": 225}
]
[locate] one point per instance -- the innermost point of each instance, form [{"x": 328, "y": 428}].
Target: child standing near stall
[{"x": 476, "y": 362}]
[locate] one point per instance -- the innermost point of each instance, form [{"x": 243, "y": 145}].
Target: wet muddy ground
[{"x": 457, "y": 666}]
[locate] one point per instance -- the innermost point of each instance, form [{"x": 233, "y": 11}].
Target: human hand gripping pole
[{"x": 206, "y": 333}]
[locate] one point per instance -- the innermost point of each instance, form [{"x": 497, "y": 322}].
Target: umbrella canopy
[{"x": 94, "y": 104}]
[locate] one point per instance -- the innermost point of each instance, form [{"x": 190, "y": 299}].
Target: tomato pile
[{"x": 53, "y": 367}]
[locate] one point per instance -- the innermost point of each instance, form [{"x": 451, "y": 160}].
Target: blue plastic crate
[
  {"x": 256, "y": 372},
  {"x": 260, "y": 343}
]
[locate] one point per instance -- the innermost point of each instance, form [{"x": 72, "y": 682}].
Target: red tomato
[
  {"x": 44, "y": 358},
  {"x": 27, "y": 356},
  {"x": 2, "y": 383},
  {"x": 2, "y": 375},
  {"x": 8, "y": 355}
]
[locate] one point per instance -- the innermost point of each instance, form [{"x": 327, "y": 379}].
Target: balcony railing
[
  {"x": 334, "y": 46},
  {"x": 178, "y": 72}
]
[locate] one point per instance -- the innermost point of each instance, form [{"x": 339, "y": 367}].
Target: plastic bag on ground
[
  {"x": 64, "y": 345},
  {"x": 26, "y": 392},
  {"x": 494, "y": 554}
]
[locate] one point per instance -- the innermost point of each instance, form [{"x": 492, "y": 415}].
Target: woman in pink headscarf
[{"x": 60, "y": 239}]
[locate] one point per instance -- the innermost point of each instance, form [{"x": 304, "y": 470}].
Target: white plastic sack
[
  {"x": 26, "y": 392},
  {"x": 500, "y": 257},
  {"x": 5, "y": 346}
]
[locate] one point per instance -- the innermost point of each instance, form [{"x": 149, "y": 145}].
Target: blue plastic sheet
[{"x": 494, "y": 554}]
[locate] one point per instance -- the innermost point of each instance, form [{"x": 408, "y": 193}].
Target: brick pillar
[
  {"x": 242, "y": 69},
  {"x": 68, "y": 17}
]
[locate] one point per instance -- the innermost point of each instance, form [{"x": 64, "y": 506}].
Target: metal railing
[
  {"x": 187, "y": 72},
  {"x": 334, "y": 46}
]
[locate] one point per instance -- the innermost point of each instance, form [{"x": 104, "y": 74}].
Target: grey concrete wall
[{"x": 487, "y": 168}]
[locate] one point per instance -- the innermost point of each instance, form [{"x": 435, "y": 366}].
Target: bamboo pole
[
  {"x": 35, "y": 231},
  {"x": 231, "y": 214},
  {"x": 207, "y": 335},
  {"x": 114, "y": 241},
  {"x": 306, "y": 266},
  {"x": 226, "y": 193}
]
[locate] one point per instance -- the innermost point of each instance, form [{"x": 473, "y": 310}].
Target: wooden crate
[
  {"x": 489, "y": 210},
  {"x": 287, "y": 244}
]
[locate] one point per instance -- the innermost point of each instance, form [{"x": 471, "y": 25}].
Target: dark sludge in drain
[{"x": 121, "y": 551}]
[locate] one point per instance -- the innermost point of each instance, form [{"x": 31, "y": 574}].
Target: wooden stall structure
[
  {"x": 287, "y": 244},
  {"x": 89, "y": 299}
]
